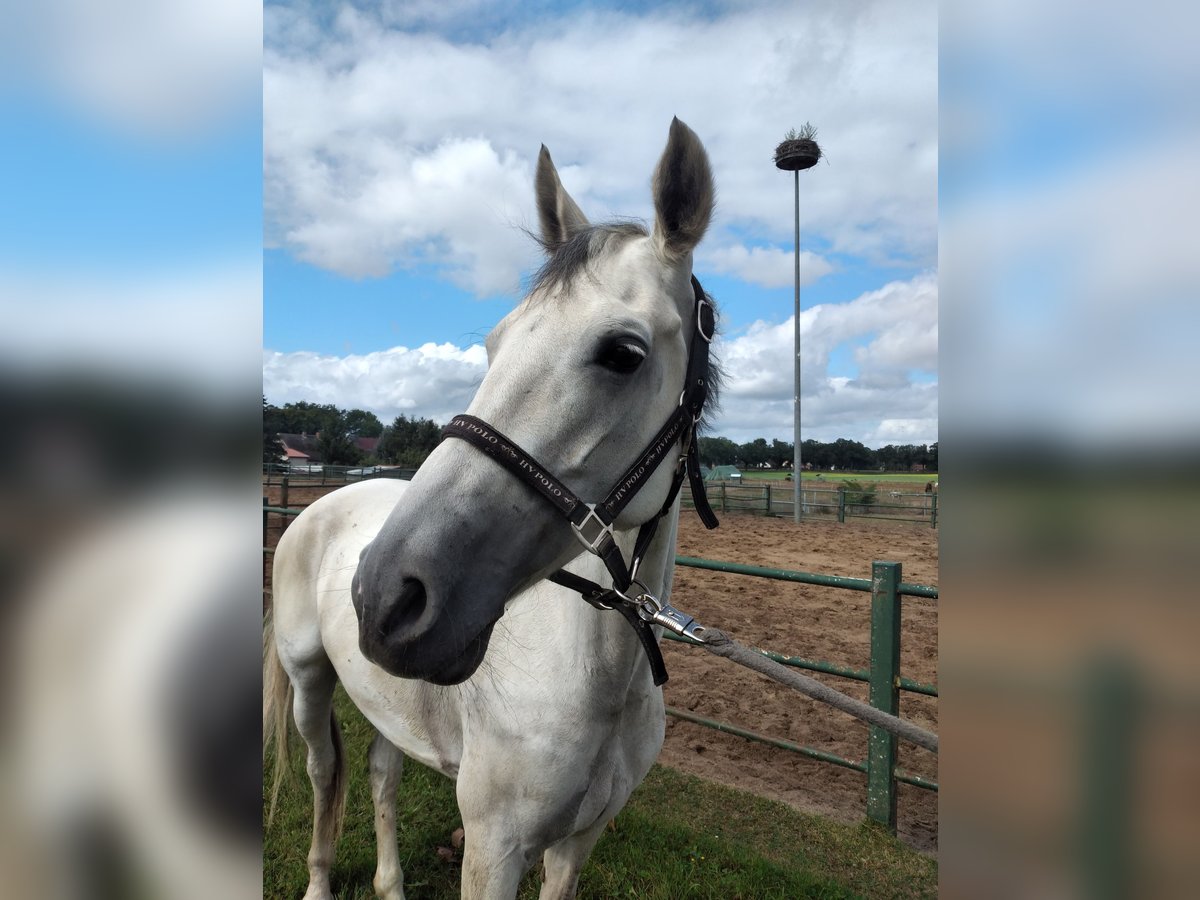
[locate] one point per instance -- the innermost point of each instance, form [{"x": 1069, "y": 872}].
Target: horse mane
[{"x": 566, "y": 260}]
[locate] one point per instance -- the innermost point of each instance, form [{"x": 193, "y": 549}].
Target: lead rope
[
  {"x": 645, "y": 609},
  {"x": 718, "y": 642}
]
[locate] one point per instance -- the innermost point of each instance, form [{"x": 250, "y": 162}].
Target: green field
[
  {"x": 678, "y": 838},
  {"x": 780, "y": 475}
]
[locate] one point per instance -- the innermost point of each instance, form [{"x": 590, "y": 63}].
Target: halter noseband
[{"x": 593, "y": 522}]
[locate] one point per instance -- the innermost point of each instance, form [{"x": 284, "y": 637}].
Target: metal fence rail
[
  {"x": 775, "y": 498},
  {"x": 316, "y": 475},
  {"x": 883, "y": 677}
]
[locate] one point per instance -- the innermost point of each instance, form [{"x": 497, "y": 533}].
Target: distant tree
[
  {"x": 361, "y": 423},
  {"x": 272, "y": 449},
  {"x": 842, "y": 453},
  {"x": 816, "y": 454},
  {"x": 336, "y": 446},
  {"x": 303, "y": 417},
  {"x": 754, "y": 453},
  {"x": 849, "y": 454},
  {"x": 889, "y": 458},
  {"x": 912, "y": 454},
  {"x": 781, "y": 452},
  {"x": 717, "y": 451},
  {"x": 407, "y": 442}
]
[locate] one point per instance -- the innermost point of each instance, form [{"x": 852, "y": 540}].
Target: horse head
[{"x": 581, "y": 374}]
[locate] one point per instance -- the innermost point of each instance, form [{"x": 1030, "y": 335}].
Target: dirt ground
[{"x": 820, "y": 623}]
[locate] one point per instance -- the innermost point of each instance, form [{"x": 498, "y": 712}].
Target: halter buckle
[{"x": 593, "y": 530}]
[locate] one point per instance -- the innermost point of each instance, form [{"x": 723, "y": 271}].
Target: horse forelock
[{"x": 573, "y": 256}]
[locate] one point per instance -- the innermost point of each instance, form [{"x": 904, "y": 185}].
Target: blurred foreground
[
  {"x": 1070, "y": 444},
  {"x": 130, "y": 336}
]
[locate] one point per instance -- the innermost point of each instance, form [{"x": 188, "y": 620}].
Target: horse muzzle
[{"x": 403, "y": 630}]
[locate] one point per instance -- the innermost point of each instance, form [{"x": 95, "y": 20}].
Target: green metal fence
[
  {"x": 883, "y": 676},
  {"x": 775, "y": 498},
  {"x": 316, "y": 475}
]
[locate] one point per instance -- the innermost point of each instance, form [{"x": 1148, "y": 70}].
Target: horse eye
[{"x": 622, "y": 356}]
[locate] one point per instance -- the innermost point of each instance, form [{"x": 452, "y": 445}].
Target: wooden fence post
[
  {"x": 767, "y": 497},
  {"x": 841, "y": 505},
  {"x": 933, "y": 511},
  {"x": 283, "y": 492},
  {"x": 885, "y": 691}
]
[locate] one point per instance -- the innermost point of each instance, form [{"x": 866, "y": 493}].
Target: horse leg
[
  {"x": 313, "y": 710},
  {"x": 494, "y": 857},
  {"x": 493, "y": 864},
  {"x": 386, "y": 762},
  {"x": 564, "y": 861}
]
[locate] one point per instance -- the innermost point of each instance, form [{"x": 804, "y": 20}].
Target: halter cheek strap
[{"x": 593, "y": 523}]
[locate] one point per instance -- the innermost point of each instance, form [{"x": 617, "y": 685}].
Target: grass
[{"x": 679, "y": 837}]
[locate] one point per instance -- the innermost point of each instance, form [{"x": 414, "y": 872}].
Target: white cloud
[
  {"x": 1089, "y": 282},
  {"x": 768, "y": 267},
  {"x": 161, "y": 69},
  {"x": 881, "y": 404},
  {"x": 412, "y": 207},
  {"x": 201, "y": 325},
  {"x": 432, "y": 381},
  {"x": 355, "y": 114}
]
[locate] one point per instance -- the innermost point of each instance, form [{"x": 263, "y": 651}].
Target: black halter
[{"x": 593, "y": 523}]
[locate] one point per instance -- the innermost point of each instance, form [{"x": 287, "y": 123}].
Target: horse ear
[
  {"x": 560, "y": 216},
  {"x": 683, "y": 193}
]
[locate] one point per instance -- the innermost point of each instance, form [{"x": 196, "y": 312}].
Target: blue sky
[
  {"x": 130, "y": 167},
  {"x": 380, "y": 186},
  {"x": 95, "y": 196},
  {"x": 400, "y": 141},
  {"x": 134, "y": 143}
]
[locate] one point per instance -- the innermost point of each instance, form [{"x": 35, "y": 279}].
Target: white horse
[{"x": 542, "y": 707}]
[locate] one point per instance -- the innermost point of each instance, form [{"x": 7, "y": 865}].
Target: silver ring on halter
[{"x": 708, "y": 338}]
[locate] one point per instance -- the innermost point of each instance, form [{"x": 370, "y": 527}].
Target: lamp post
[{"x": 798, "y": 151}]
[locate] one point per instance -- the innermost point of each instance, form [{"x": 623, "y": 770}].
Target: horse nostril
[{"x": 406, "y": 608}]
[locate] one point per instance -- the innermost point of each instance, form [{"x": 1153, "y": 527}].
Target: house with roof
[
  {"x": 300, "y": 449},
  {"x": 367, "y": 445},
  {"x": 305, "y": 449}
]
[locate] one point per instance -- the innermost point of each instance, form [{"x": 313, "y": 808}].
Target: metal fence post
[
  {"x": 1111, "y": 701},
  {"x": 841, "y": 505},
  {"x": 885, "y": 691}
]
